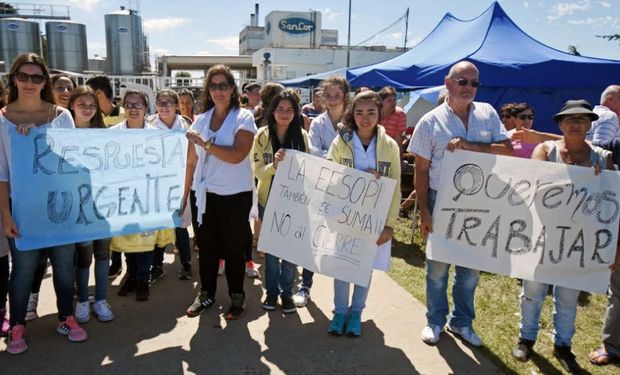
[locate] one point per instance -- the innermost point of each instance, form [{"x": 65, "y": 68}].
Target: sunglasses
[
  {"x": 222, "y": 86},
  {"x": 25, "y": 77},
  {"x": 62, "y": 89},
  {"x": 130, "y": 105},
  {"x": 164, "y": 104},
  {"x": 525, "y": 117},
  {"x": 465, "y": 82}
]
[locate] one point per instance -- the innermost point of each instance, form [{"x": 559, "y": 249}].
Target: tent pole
[
  {"x": 406, "y": 29},
  {"x": 349, "y": 38}
]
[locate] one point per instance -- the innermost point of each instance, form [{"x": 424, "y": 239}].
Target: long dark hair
[
  {"x": 207, "y": 102},
  {"x": 34, "y": 59},
  {"x": 294, "y": 138},
  {"x": 97, "y": 120},
  {"x": 348, "y": 120}
]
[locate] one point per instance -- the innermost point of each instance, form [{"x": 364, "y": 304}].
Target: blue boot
[
  {"x": 354, "y": 324},
  {"x": 336, "y": 326}
]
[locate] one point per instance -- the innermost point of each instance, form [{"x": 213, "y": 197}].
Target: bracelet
[{"x": 208, "y": 144}]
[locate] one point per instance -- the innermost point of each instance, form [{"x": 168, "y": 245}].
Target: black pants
[
  {"x": 4, "y": 280},
  {"x": 224, "y": 233}
]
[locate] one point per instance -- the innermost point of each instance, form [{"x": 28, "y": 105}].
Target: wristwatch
[{"x": 208, "y": 144}]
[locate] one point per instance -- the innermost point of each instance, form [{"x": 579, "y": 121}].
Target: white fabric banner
[
  {"x": 325, "y": 216},
  {"x": 541, "y": 221}
]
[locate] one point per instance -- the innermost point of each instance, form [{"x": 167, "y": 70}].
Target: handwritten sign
[
  {"x": 73, "y": 185},
  {"x": 535, "y": 220},
  {"x": 325, "y": 217}
]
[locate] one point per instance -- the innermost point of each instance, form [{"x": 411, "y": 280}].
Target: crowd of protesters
[{"x": 237, "y": 137}]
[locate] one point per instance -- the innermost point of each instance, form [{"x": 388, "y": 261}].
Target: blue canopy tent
[
  {"x": 314, "y": 79},
  {"x": 513, "y": 66}
]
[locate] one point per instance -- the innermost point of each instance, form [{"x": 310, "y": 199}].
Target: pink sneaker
[
  {"x": 4, "y": 323},
  {"x": 16, "y": 344},
  {"x": 72, "y": 329}
]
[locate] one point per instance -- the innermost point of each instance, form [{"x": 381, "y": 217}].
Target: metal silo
[
  {"x": 124, "y": 42},
  {"x": 66, "y": 46},
  {"x": 18, "y": 36}
]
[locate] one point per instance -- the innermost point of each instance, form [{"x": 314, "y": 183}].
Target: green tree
[
  {"x": 6, "y": 8},
  {"x": 183, "y": 82}
]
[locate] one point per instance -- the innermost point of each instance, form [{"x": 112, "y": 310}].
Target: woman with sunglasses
[
  {"x": 84, "y": 108},
  {"x": 364, "y": 141},
  {"x": 284, "y": 130},
  {"x": 169, "y": 118},
  {"x": 31, "y": 105},
  {"x": 138, "y": 247},
  {"x": 219, "y": 171},
  {"x": 525, "y": 139},
  {"x": 574, "y": 121}
]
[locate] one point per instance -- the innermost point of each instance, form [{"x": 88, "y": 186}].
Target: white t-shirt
[
  {"x": 363, "y": 161},
  {"x": 154, "y": 122},
  {"x": 63, "y": 120},
  {"x": 214, "y": 175},
  {"x": 322, "y": 133}
]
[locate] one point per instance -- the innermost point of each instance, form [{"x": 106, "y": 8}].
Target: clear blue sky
[{"x": 212, "y": 26}]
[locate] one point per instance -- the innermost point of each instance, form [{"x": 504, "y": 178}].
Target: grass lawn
[{"x": 497, "y": 313}]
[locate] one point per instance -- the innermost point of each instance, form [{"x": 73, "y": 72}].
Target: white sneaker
[
  {"x": 430, "y": 334},
  {"x": 251, "y": 270},
  {"x": 82, "y": 312},
  {"x": 31, "y": 310},
  {"x": 102, "y": 311},
  {"x": 301, "y": 298},
  {"x": 466, "y": 334},
  {"x": 221, "y": 267}
]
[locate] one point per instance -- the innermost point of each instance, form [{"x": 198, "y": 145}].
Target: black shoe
[
  {"x": 270, "y": 303},
  {"x": 142, "y": 291},
  {"x": 288, "y": 306},
  {"x": 128, "y": 285},
  {"x": 157, "y": 272},
  {"x": 115, "y": 270},
  {"x": 236, "y": 307},
  {"x": 201, "y": 303},
  {"x": 185, "y": 273},
  {"x": 567, "y": 359},
  {"x": 523, "y": 351}
]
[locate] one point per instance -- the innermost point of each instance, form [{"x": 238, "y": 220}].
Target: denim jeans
[
  {"x": 463, "y": 289},
  {"x": 25, "y": 264},
  {"x": 4, "y": 280},
  {"x": 611, "y": 326},
  {"x": 84, "y": 254},
  {"x": 279, "y": 276},
  {"x": 139, "y": 265},
  {"x": 182, "y": 245},
  {"x": 306, "y": 279},
  {"x": 341, "y": 297},
  {"x": 564, "y": 311}
]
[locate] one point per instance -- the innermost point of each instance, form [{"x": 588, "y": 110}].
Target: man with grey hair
[
  {"x": 607, "y": 126},
  {"x": 458, "y": 123}
]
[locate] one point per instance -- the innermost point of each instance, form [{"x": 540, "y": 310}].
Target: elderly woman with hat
[{"x": 574, "y": 121}]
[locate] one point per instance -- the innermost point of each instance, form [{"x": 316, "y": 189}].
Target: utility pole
[
  {"x": 406, "y": 29},
  {"x": 349, "y": 39}
]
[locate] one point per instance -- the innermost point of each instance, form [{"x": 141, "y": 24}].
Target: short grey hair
[{"x": 610, "y": 90}]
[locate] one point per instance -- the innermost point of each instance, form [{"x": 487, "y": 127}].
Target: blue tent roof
[
  {"x": 513, "y": 66},
  {"x": 505, "y": 55}
]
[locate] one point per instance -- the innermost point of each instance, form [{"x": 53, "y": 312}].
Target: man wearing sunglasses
[
  {"x": 607, "y": 126},
  {"x": 459, "y": 123}
]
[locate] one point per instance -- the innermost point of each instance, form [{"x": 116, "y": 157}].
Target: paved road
[{"x": 155, "y": 337}]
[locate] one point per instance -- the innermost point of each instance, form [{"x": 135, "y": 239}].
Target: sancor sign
[{"x": 296, "y": 25}]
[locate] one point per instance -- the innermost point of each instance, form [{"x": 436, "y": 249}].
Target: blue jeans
[
  {"x": 306, "y": 279},
  {"x": 279, "y": 276},
  {"x": 84, "y": 254},
  {"x": 463, "y": 289},
  {"x": 25, "y": 264},
  {"x": 564, "y": 311},
  {"x": 183, "y": 246},
  {"x": 341, "y": 297}
]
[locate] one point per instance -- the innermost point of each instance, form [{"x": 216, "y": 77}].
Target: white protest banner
[
  {"x": 535, "y": 220},
  {"x": 74, "y": 185},
  {"x": 325, "y": 216}
]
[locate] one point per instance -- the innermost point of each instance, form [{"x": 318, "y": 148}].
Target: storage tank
[
  {"x": 18, "y": 36},
  {"x": 66, "y": 46},
  {"x": 124, "y": 42}
]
